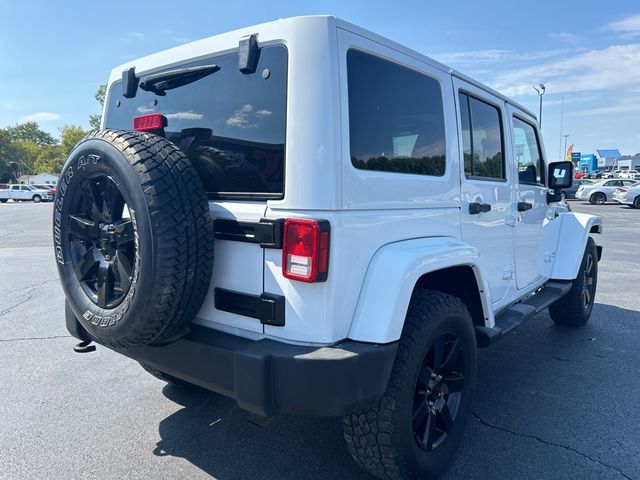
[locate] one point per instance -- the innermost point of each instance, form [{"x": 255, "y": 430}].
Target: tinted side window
[
  {"x": 231, "y": 125},
  {"x": 396, "y": 119},
  {"x": 482, "y": 139},
  {"x": 528, "y": 155}
]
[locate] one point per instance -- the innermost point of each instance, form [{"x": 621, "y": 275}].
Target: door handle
[
  {"x": 476, "y": 208},
  {"x": 524, "y": 206}
]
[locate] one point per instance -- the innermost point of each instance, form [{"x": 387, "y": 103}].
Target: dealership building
[{"x": 606, "y": 160}]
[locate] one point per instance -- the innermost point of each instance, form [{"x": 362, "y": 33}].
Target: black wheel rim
[
  {"x": 587, "y": 282},
  {"x": 438, "y": 392},
  {"x": 102, "y": 240}
]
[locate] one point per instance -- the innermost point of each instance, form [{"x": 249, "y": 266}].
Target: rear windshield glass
[{"x": 230, "y": 124}]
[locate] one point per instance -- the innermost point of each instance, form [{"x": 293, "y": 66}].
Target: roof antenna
[{"x": 249, "y": 54}]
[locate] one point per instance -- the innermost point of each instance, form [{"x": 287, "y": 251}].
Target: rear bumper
[{"x": 268, "y": 377}]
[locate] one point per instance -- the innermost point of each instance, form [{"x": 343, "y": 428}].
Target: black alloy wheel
[
  {"x": 102, "y": 239},
  {"x": 438, "y": 392},
  {"x": 587, "y": 283}
]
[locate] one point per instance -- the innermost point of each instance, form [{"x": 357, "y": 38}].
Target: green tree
[
  {"x": 95, "y": 120},
  {"x": 28, "y": 153},
  {"x": 70, "y": 135},
  {"x": 30, "y": 132},
  {"x": 8, "y": 155},
  {"x": 50, "y": 159}
]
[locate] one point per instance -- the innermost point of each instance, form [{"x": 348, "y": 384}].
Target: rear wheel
[
  {"x": 414, "y": 430},
  {"x": 598, "y": 198},
  {"x": 574, "y": 309},
  {"x": 3, "y": 200}
]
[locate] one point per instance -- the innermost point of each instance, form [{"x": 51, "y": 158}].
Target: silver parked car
[
  {"x": 602, "y": 191},
  {"x": 628, "y": 195}
]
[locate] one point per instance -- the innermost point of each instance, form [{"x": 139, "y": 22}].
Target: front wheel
[
  {"x": 597, "y": 198},
  {"x": 37, "y": 199},
  {"x": 636, "y": 202},
  {"x": 574, "y": 309},
  {"x": 414, "y": 430}
]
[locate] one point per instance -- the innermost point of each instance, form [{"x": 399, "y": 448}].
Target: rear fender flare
[{"x": 392, "y": 275}]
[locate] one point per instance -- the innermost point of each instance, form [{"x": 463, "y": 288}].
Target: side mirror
[{"x": 560, "y": 175}]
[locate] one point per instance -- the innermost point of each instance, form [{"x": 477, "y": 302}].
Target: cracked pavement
[{"x": 551, "y": 402}]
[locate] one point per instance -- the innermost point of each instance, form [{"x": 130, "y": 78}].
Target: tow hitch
[{"x": 85, "y": 346}]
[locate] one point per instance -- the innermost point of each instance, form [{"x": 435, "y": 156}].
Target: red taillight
[
  {"x": 144, "y": 123},
  {"x": 305, "y": 250}
]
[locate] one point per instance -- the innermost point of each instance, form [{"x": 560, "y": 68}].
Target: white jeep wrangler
[{"x": 375, "y": 216}]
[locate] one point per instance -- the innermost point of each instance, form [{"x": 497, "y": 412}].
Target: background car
[
  {"x": 571, "y": 191},
  {"x": 51, "y": 188},
  {"x": 632, "y": 174},
  {"x": 599, "y": 192},
  {"x": 628, "y": 195}
]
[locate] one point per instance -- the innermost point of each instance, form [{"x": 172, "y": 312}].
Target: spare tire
[{"x": 133, "y": 238}]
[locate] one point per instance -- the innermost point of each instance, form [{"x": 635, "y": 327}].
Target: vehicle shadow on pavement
[
  {"x": 539, "y": 367},
  {"x": 213, "y": 433}
]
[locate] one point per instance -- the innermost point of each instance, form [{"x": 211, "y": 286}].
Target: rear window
[
  {"x": 396, "y": 118},
  {"x": 231, "y": 125}
]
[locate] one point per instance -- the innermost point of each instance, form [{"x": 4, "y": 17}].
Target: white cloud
[
  {"x": 41, "y": 117},
  {"x": 137, "y": 34},
  {"x": 240, "y": 117},
  {"x": 190, "y": 115},
  {"x": 629, "y": 26},
  {"x": 622, "y": 108},
  {"x": 494, "y": 55},
  {"x": 576, "y": 98},
  {"x": 613, "y": 67},
  {"x": 567, "y": 38},
  {"x": 263, "y": 113}
]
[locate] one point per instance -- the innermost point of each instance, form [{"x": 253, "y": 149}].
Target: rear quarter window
[
  {"x": 231, "y": 125},
  {"x": 396, "y": 118}
]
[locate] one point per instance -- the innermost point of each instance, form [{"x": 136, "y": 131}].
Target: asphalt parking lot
[{"x": 551, "y": 403}]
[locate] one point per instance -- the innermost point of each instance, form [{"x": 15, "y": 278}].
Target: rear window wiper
[{"x": 160, "y": 82}]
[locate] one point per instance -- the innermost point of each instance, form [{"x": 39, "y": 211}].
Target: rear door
[
  {"x": 531, "y": 197},
  {"x": 486, "y": 198},
  {"x": 232, "y": 127},
  {"x": 14, "y": 192}
]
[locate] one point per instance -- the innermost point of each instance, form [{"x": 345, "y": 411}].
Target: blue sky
[{"x": 53, "y": 55}]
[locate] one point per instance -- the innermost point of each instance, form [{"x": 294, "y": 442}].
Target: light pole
[
  {"x": 540, "y": 89},
  {"x": 565, "y": 145}
]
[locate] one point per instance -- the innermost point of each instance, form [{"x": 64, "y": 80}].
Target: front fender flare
[
  {"x": 391, "y": 277},
  {"x": 563, "y": 242}
]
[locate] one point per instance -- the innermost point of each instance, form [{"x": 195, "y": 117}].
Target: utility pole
[
  {"x": 540, "y": 89},
  {"x": 565, "y": 145}
]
